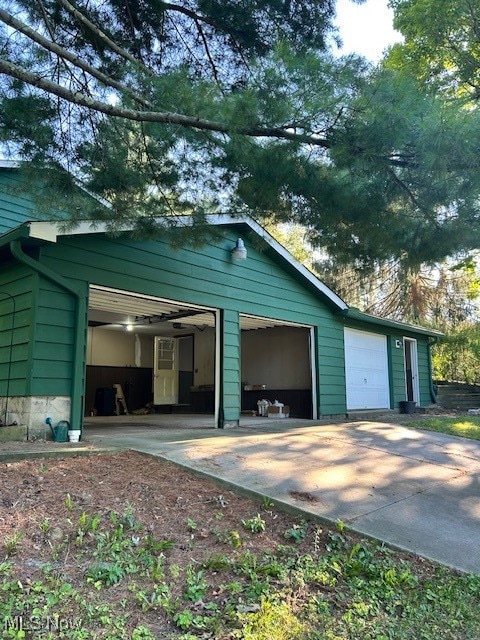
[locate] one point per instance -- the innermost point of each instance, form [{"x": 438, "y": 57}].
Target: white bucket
[{"x": 74, "y": 436}]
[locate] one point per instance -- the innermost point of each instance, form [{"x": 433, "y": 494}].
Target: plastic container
[
  {"x": 60, "y": 430},
  {"x": 407, "y": 406},
  {"x": 74, "y": 435},
  {"x": 262, "y": 407}
]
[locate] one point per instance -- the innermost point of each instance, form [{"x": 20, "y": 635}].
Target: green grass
[{"x": 464, "y": 426}]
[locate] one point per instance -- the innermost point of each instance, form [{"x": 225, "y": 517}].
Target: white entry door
[
  {"x": 366, "y": 370},
  {"x": 165, "y": 371}
]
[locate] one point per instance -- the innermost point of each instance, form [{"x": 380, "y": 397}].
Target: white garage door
[{"x": 366, "y": 369}]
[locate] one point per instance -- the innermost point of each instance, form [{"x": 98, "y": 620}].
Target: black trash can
[
  {"x": 105, "y": 401},
  {"x": 407, "y": 406}
]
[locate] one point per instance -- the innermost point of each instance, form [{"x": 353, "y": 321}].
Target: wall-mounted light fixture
[
  {"x": 239, "y": 252},
  {"x": 398, "y": 344},
  {"x": 129, "y": 327}
]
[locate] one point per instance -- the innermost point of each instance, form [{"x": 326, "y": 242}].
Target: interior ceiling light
[{"x": 239, "y": 252}]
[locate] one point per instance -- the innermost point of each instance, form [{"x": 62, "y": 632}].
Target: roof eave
[
  {"x": 9, "y": 164},
  {"x": 51, "y": 230},
  {"x": 354, "y": 314},
  {"x": 18, "y": 233}
]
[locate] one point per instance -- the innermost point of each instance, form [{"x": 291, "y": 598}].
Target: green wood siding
[
  {"x": 15, "y": 209},
  {"x": 424, "y": 372},
  {"x": 16, "y": 349},
  {"x": 331, "y": 368},
  {"x": 397, "y": 370},
  {"x": 230, "y": 365},
  {"x": 54, "y": 340},
  {"x": 44, "y": 330},
  {"x": 205, "y": 277},
  {"x": 49, "y": 337}
]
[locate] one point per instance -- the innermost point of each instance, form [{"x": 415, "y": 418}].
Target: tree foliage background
[{"x": 200, "y": 106}]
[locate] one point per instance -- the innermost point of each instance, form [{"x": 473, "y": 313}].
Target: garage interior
[{"x": 129, "y": 334}]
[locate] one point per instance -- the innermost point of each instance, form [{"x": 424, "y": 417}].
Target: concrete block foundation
[{"x": 29, "y": 414}]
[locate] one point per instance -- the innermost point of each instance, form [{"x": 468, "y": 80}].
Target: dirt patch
[{"x": 163, "y": 498}]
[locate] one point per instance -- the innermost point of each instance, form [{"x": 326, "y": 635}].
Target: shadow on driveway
[{"x": 413, "y": 489}]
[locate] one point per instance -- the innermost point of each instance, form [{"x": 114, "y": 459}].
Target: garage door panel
[{"x": 366, "y": 370}]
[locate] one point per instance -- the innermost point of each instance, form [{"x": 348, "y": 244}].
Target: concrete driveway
[{"x": 417, "y": 490}]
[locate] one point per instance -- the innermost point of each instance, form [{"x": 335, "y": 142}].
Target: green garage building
[{"x": 211, "y": 330}]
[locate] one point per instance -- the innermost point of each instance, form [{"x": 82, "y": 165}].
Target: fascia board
[
  {"x": 284, "y": 253},
  {"x": 14, "y": 234},
  {"x": 9, "y": 164},
  {"x": 359, "y": 316},
  {"x": 52, "y": 230},
  {"x": 43, "y": 231}
]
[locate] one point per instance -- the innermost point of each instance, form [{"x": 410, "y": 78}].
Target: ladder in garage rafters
[{"x": 120, "y": 400}]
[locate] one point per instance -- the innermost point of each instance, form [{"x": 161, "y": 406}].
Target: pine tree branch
[
  {"x": 404, "y": 188},
  {"x": 207, "y": 51},
  {"x": 196, "y": 17},
  {"x": 154, "y": 174},
  {"x": 103, "y": 36},
  {"x": 46, "y": 19},
  {"x": 64, "y": 54},
  {"x": 80, "y": 99}
]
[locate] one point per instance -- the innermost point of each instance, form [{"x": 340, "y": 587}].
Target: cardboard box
[{"x": 278, "y": 412}]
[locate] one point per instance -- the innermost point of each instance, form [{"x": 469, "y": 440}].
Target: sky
[{"x": 366, "y": 29}]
